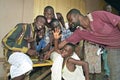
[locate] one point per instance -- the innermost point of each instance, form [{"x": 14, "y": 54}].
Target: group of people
[{"x": 48, "y": 35}]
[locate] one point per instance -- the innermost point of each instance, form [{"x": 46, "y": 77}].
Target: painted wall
[{"x": 11, "y": 13}]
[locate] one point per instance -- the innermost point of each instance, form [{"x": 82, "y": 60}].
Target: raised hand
[
  {"x": 32, "y": 52},
  {"x": 56, "y": 33}
]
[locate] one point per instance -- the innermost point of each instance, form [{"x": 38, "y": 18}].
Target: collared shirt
[{"x": 104, "y": 30}]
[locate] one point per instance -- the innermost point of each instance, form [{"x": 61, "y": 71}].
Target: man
[
  {"x": 100, "y": 27},
  {"x": 108, "y": 8},
  {"x": 18, "y": 46},
  {"x": 49, "y": 13}
]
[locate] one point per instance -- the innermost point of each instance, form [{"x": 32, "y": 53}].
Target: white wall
[{"x": 11, "y": 13}]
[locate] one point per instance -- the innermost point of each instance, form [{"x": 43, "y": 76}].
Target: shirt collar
[{"x": 90, "y": 17}]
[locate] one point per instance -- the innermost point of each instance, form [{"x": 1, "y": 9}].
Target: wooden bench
[{"x": 35, "y": 64}]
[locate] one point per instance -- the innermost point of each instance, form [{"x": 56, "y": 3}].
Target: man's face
[
  {"x": 40, "y": 23},
  {"x": 49, "y": 14},
  {"x": 73, "y": 21}
]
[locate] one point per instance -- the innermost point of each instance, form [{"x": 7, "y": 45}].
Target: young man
[
  {"x": 19, "y": 45},
  {"x": 100, "y": 27},
  {"x": 49, "y": 13}
]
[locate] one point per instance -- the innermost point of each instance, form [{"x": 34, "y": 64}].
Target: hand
[
  {"x": 32, "y": 52},
  {"x": 29, "y": 39},
  {"x": 56, "y": 33},
  {"x": 47, "y": 55}
]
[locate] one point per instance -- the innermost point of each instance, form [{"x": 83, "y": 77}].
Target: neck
[{"x": 85, "y": 22}]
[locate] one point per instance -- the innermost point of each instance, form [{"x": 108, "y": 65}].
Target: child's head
[
  {"x": 60, "y": 18},
  {"x": 55, "y": 24},
  {"x": 49, "y": 13},
  {"x": 40, "y": 34},
  {"x": 67, "y": 50}
]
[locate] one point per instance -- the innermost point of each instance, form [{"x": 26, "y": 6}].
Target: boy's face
[
  {"x": 49, "y": 14},
  {"x": 56, "y": 25},
  {"x": 66, "y": 51},
  {"x": 41, "y": 33}
]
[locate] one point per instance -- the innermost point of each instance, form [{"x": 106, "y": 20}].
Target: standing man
[{"x": 19, "y": 45}]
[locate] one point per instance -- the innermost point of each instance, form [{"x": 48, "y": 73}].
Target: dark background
[{"x": 115, "y": 4}]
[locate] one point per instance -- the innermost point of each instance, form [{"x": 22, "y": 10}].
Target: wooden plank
[
  {"x": 43, "y": 75},
  {"x": 2, "y": 59},
  {"x": 45, "y": 63}
]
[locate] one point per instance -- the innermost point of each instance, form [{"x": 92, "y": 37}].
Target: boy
[
  {"x": 18, "y": 45},
  {"x": 72, "y": 65}
]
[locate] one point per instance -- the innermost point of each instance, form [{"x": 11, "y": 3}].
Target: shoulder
[
  {"x": 21, "y": 24},
  {"x": 95, "y": 12},
  {"x": 70, "y": 60},
  {"x": 100, "y": 13}
]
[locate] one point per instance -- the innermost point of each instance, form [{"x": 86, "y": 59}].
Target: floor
[{"x": 38, "y": 71}]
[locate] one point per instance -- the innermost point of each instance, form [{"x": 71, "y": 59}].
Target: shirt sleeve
[
  {"x": 10, "y": 40},
  {"x": 75, "y": 37}
]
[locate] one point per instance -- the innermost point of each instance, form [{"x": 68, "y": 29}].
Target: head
[
  {"x": 73, "y": 19},
  {"x": 108, "y": 8},
  {"x": 55, "y": 24},
  {"x": 68, "y": 50},
  {"x": 39, "y": 22},
  {"x": 40, "y": 34},
  {"x": 49, "y": 13},
  {"x": 60, "y": 18}
]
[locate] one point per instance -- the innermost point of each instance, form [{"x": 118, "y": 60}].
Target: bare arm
[
  {"x": 83, "y": 64},
  {"x": 118, "y": 25},
  {"x": 57, "y": 35}
]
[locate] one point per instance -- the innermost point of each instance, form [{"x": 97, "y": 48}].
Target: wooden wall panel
[{"x": 62, "y": 6}]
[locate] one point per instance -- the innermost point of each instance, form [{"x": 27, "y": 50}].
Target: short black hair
[
  {"x": 54, "y": 23},
  {"x": 48, "y": 7},
  {"x": 41, "y": 16},
  {"x": 74, "y": 11},
  {"x": 71, "y": 45}
]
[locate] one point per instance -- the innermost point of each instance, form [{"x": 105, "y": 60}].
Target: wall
[
  {"x": 62, "y": 6},
  {"x": 92, "y": 5},
  {"x": 11, "y": 13}
]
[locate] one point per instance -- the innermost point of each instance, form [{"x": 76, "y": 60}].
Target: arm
[
  {"x": 118, "y": 25},
  {"x": 57, "y": 46},
  {"x": 10, "y": 40},
  {"x": 83, "y": 64}
]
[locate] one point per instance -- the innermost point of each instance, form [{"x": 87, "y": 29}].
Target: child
[
  {"x": 73, "y": 67},
  {"x": 65, "y": 28}
]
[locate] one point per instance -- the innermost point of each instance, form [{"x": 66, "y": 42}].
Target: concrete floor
[{"x": 38, "y": 72}]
